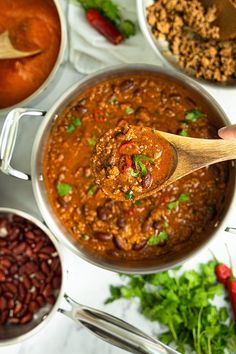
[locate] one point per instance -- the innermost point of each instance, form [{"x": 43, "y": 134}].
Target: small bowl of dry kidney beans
[{"x": 30, "y": 273}]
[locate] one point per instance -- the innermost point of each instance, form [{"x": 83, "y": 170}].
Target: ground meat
[{"x": 193, "y": 38}]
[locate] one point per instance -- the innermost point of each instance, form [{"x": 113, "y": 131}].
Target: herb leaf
[
  {"x": 182, "y": 301},
  {"x": 129, "y": 195},
  {"x": 194, "y": 115},
  {"x": 92, "y": 141},
  {"x": 127, "y": 28},
  {"x": 184, "y": 197},
  {"x": 70, "y": 128},
  {"x": 129, "y": 110},
  {"x": 156, "y": 239},
  {"x": 92, "y": 190},
  {"x": 63, "y": 189}
]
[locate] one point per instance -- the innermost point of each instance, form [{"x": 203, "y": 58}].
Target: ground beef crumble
[{"x": 193, "y": 38}]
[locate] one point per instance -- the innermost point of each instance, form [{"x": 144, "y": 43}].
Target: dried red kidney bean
[{"x": 30, "y": 270}]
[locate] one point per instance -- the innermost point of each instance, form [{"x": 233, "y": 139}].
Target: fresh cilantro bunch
[
  {"x": 110, "y": 11},
  {"x": 184, "y": 305}
]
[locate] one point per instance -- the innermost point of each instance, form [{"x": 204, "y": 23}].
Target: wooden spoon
[
  {"x": 188, "y": 155},
  {"x": 226, "y": 17},
  {"x": 7, "y": 51}
]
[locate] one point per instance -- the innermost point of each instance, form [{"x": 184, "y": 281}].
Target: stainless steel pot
[
  {"x": 60, "y": 59},
  {"x": 7, "y": 142},
  {"x": 105, "y": 326}
]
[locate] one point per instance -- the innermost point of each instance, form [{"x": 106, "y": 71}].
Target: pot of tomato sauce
[
  {"x": 31, "y": 25},
  {"x": 131, "y": 236}
]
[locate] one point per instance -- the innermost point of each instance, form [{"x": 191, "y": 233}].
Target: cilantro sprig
[
  {"x": 63, "y": 189},
  {"x": 182, "y": 301},
  {"x": 111, "y": 11},
  {"x": 139, "y": 165},
  {"x": 194, "y": 115},
  {"x": 184, "y": 197}
]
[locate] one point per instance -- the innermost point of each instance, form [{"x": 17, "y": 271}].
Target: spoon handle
[
  {"x": 199, "y": 153},
  {"x": 115, "y": 331}
]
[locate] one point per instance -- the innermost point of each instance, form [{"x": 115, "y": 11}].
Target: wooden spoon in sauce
[
  {"x": 132, "y": 162},
  {"x": 8, "y": 51}
]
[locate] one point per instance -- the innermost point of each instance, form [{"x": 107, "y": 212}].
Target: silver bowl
[
  {"x": 60, "y": 58},
  {"x": 161, "y": 48}
]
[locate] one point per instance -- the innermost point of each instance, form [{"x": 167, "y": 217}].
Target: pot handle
[
  {"x": 8, "y": 140},
  {"x": 114, "y": 330}
]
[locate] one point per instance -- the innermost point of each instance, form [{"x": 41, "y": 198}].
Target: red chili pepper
[
  {"x": 231, "y": 285},
  {"x": 128, "y": 147},
  {"x": 223, "y": 273},
  {"x": 99, "y": 115},
  {"x": 125, "y": 163},
  {"x": 104, "y": 26}
]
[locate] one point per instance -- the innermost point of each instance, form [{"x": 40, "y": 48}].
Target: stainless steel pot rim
[
  {"x": 55, "y": 68},
  {"x": 63, "y": 236},
  {"x": 54, "y": 308}
]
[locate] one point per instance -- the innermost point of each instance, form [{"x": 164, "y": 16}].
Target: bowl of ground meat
[
  {"x": 135, "y": 236},
  {"x": 184, "y": 36}
]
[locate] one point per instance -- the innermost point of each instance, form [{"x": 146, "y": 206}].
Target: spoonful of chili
[{"x": 132, "y": 162}]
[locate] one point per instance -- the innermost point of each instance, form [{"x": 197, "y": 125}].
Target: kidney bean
[
  {"x": 2, "y": 276},
  {"x": 102, "y": 213},
  {"x": 40, "y": 300},
  {"x": 12, "y": 288},
  {"x": 33, "y": 306},
  {"x": 139, "y": 246},
  {"x": 126, "y": 85},
  {"x": 5, "y": 263},
  {"x": 13, "y": 320},
  {"x": 121, "y": 223},
  {"x": 45, "y": 268},
  {"x": 118, "y": 242},
  {"x": 18, "y": 308},
  {"x": 14, "y": 233},
  {"x": 38, "y": 247},
  {"x": 11, "y": 304},
  {"x": 147, "y": 181},
  {"x": 103, "y": 236},
  {"x": 3, "y": 303},
  {"x": 4, "y": 317},
  {"x": 81, "y": 109},
  {"x": 51, "y": 299},
  {"x": 27, "y": 280},
  {"x": 27, "y": 318}
]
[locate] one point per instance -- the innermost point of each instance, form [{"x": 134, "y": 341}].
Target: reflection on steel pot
[
  {"x": 7, "y": 142},
  {"x": 108, "y": 328}
]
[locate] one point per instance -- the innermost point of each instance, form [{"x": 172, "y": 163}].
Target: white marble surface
[{"x": 86, "y": 283}]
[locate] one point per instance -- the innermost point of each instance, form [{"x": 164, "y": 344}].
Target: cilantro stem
[
  {"x": 199, "y": 331},
  {"x": 172, "y": 329}
]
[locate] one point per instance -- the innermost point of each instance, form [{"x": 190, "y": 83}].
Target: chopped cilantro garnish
[
  {"x": 92, "y": 141},
  {"x": 156, "y": 239},
  {"x": 70, "y": 128},
  {"x": 184, "y": 197},
  {"x": 129, "y": 195},
  {"x": 138, "y": 202},
  {"x": 77, "y": 122},
  {"x": 133, "y": 173},
  {"x": 194, "y": 115},
  {"x": 140, "y": 167},
  {"x": 114, "y": 100},
  {"x": 92, "y": 190},
  {"x": 183, "y": 132},
  {"x": 129, "y": 110},
  {"x": 63, "y": 189},
  {"x": 85, "y": 237}
]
